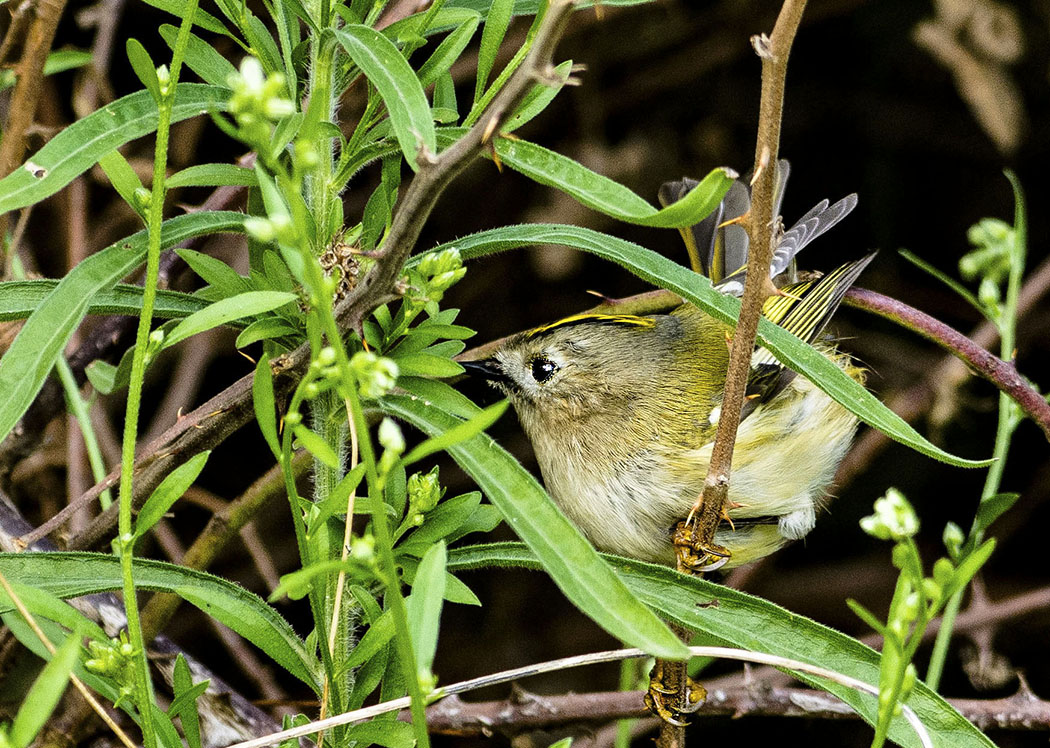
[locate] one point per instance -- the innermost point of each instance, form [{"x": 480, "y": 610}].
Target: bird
[{"x": 622, "y": 409}]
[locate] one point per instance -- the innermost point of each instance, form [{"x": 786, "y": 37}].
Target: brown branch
[
  {"x": 988, "y": 366},
  {"x": 28, "y": 87},
  {"x": 524, "y": 711},
  {"x": 947, "y": 375},
  {"x": 694, "y": 536}
]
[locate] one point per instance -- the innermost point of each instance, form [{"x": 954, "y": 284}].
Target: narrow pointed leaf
[
  {"x": 73, "y": 574},
  {"x": 228, "y": 310},
  {"x": 79, "y": 147},
  {"x": 18, "y": 299},
  {"x": 170, "y": 490},
  {"x": 397, "y": 84},
  {"x": 609, "y": 197}
]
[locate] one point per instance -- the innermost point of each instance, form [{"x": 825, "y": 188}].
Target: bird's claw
[
  {"x": 694, "y": 556},
  {"x": 657, "y": 701}
]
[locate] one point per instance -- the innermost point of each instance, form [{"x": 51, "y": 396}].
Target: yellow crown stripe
[{"x": 607, "y": 319}]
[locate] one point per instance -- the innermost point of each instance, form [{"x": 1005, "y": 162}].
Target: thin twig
[
  {"x": 616, "y": 655},
  {"x": 984, "y": 363},
  {"x": 524, "y": 712},
  {"x": 697, "y": 533},
  {"x": 28, "y": 88}
]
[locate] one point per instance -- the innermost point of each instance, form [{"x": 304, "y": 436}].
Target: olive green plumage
[{"x": 622, "y": 412}]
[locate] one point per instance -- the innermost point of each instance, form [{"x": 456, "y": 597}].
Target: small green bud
[
  {"x": 390, "y": 436},
  {"x": 900, "y": 555},
  {"x": 911, "y": 677},
  {"x": 375, "y": 375},
  {"x": 953, "y": 539},
  {"x": 933, "y": 591},
  {"x": 894, "y": 518},
  {"x": 326, "y": 356},
  {"x": 142, "y": 198},
  {"x": 311, "y": 390},
  {"x": 424, "y": 491},
  {"x": 943, "y": 572},
  {"x": 293, "y": 418},
  {"x": 363, "y": 548},
  {"x": 156, "y": 337},
  {"x": 283, "y": 227},
  {"x": 164, "y": 79}
]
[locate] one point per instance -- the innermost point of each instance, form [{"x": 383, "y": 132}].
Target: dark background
[{"x": 671, "y": 89}]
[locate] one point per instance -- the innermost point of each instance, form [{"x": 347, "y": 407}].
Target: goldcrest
[{"x": 622, "y": 410}]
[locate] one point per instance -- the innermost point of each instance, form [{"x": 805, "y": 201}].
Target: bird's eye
[{"x": 543, "y": 369}]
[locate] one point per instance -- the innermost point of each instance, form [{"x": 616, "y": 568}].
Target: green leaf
[
  {"x": 427, "y": 365},
  {"x": 606, "y": 196},
  {"x": 444, "y": 520},
  {"x": 458, "y": 433},
  {"x": 227, "y": 310},
  {"x": 697, "y": 289},
  {"x": 398, "y": 86},
  {"x": 45, "y": 334},
  {"x": 991, "y": 509},
  {"x": 336, "y": 501},
  {"x": 201, "y": 57},
  {"x": 78, "y": 147},
  {"x": 212, "y": 175},
  {"x": 969, "y": 566},
  {"x": 18, "y": 299},
  {"x": 143, "y": 66},
  {"x": 214, "y": 272},
  {"x": 266, "y": 328},
  {"x": 496, "y": 22},
  {"x": 57, "y": 62},
  {"x": 424, "y": 606},
  {"x": 44, "y": 694},
  {"x": 317, "y": 446},
  {"x": 751, "y": 623},
  {"x": 74, "y": 574},
  {"x": 170, "y": 490},
  {"x": 264, "y": 404},
  {"x": 532, "y": 7},
  {"x": 124, "y": 179},
  {"x": 442, "y": 395},
  {"x": 185, "y": 702},
  {"x": 569, "y": 559},
  {"x": 376, "y": 637},
  {"x": 385, "y": 732},
  {"x": 447, "y": 52},
  {"x": 538, "y": 98},
  {"x": 102, "y": 375},
  {"x": 201, "y": 18}
]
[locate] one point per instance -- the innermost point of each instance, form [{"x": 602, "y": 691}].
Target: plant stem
[
  {"x": 81, "y": 412},
  {"x": 1007, "y": 422},
  {"x": 402, "y": 637},
  {"x": 125, "y": 540}
]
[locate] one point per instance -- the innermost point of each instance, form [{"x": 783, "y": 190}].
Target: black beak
[{"x": 488, "y": 368}]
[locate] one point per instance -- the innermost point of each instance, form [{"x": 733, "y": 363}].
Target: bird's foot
[
  {"x": 693, "y": 554},
  {"x": 670, "y": 703}
]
